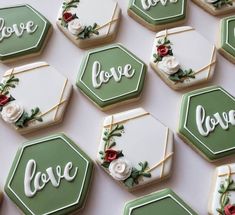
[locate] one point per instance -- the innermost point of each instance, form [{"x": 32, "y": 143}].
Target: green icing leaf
[
  {"x": 88, "y": 31},
  {"x": 181, "y": 76},
  {"x": 222, "y": 3},
  {"x": 10, "y": 82}
]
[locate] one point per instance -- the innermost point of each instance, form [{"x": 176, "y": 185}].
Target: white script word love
[
  {"x": 147, "y": 4},
  {"x": 18, "y": 30},
  {"x": 100, "y": 77},
  {"x": 36, "y": 181},
  {"x": 207, "y": 124}
]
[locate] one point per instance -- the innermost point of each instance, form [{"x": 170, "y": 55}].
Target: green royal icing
[
  {"x": 159, "y": 13},
  {"x": 48, "y": 152},
  {"x": 220, "y": 141},
  {"x": 116, "y": 57},
  {"x": 227, "y": 32},
  {"x": 163, "y": 202},
  {"x": 27, "y": 42}
]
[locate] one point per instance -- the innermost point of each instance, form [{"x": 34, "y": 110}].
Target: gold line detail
[
  {"x": 24, "y": 70},
  {"x": 123, "y": 121},
  {"x": 159, "y": 163},
  {"x": 212, "y": 58},
  {"x": 229, "y": 172},
  {"x": 204, "y": 68},
  {"x": 165, "y": 151},
  {"x": 61, "y": 97},
  {"x": 110, "y": 24},
  {"x": 178, "y": 32}
]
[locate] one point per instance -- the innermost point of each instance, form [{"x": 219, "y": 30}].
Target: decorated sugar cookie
[
  {"x": 51, "y": 175},
  {"x": 111, "y": 75},
  {"x": 226, "y": 43},
  {"x": 158, "y": 14},
  {"x": 88, "y": 23},
  {"x": 162, "y": 202},
  {"x": 33, "y": 96},
  {"x": 173, "y": 57},
  {"x": 216, "y": 7},
  {"x": 223, "y": 191},
  {"x": 207, "y": 122},
  {"x": 23, "y": 32},
  {"x": 135, "y": 149}
]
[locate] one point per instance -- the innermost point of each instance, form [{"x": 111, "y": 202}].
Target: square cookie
[
  {"x": 49, "y": 176},
  {"x": 135, "y": 149},
  {"x": 33, "y": 96},
  {"x": 223, "y": 191},
  {"x": 89, "y": 23},
  {"x": 226, "y": 42},
  {"x": 23, "y": 32},
  {"x": 157, "y": 15},
  {"x": 178, "y": 59},
  {"x": 110, "y": 76},
  {"x": 207, "y": 122},
  {"x": 164, "y": 202}
]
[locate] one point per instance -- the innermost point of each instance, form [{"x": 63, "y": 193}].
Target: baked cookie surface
[
  {"x": 111, "y": 75},
  {"x": 172, "y": 57},
  {"x": 89, "y": 23},
  {"x": 162, "y": 202},
  {"x": 135, "y": 149},
  {"x": 33, "y": 96},
  {"x": 51, "y": 175},
  {"x": 226, "y": 43},
  {"x": 207, "y": 122},
  {"x": 23, "y": 32},
  {"x": 158, "y": 14}
]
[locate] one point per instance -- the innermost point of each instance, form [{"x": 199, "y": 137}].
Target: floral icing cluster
[
  {"x": 168, "y": 64},
  {"x": 114, "y": 160},
  {"x": 72, "y": 23},
  {"x": 226, "y": 208},
  {"x": 11, "y": 111},
  {"x": 220, "y": 3}
]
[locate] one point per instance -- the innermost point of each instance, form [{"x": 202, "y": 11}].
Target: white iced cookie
[
  {"x": 33, "y": 96},
  {"x": 135, "y": 148},
  {"x": 89, "y": 23},
  {"x": 223, "y": 191},
  {"x": 173, "y": 57}
]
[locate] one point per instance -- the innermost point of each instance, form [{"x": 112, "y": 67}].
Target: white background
[{"x": 191, "y": 174}]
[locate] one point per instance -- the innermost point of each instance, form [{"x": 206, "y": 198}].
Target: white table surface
[{"x": 191, "y": 175}]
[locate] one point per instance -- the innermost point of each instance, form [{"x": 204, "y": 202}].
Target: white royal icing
[
  {"x": 18, "y": 30},
  {"x": 100, "y": 76},
  {"x": 120, "y": 169},
  {"x": 169, "y": 65},
  {"x": 36, "y": 181},
  {"x": 207, "y": 124},
  {"x": 75, "y": 27},
  {"x": 143, "y": 135},
  {"x": 11, "y": 112},
  {"x": 147, "y": 4}
]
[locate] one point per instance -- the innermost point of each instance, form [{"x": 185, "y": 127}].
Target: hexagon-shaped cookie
[
  {"x": 88, "y": 23},
  {"x": 135, "y": 149},
  {"x": 162, "y": 202},
  {"x": 157, "y": 15},
  {"x": 223, "y": 194},
  {"x": 33, "y": 96},
  {"x": 51, "y": 175},
  {"x": 23, "y": 32},
  {"x": 226, "y": 43},
  {"x": 207, "y": 122},
  {"x": 178, "y": 59},
  {"x": 216, "y": 7},
  {"x": 111, "y": 75}
]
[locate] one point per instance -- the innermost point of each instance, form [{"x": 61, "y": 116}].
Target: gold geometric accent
[
  {"x": 61, "y": 96},
  {"x": 212, "y": 58},
  {"x": 24, "y": 70},
  {"x": 177, "y": 32},
  {"x": 229, "y": 173},
  {"x": 126, "y": 120},
  {"x": 165, "y": 149}
]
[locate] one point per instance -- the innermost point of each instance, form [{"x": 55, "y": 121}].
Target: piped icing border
[{"x": 41, "y": 142}]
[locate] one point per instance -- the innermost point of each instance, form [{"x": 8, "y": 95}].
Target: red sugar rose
[
  {"x": 3, "y": 100},
  {"x": 67, "y": 16},
  {"x": 162, "y": 50},
  {"x": 229, "y": 210},
  {"x": 110, "y": 155}
]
